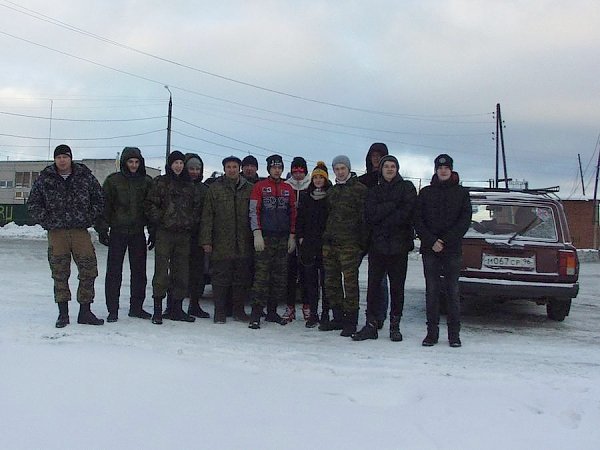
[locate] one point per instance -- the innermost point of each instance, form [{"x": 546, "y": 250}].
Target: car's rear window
[{"x": 519, "y": 222}]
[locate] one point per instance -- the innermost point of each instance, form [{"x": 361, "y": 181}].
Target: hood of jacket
[
  {"x": 379, "y": 148},
  {"x": 132, "y": 152}
]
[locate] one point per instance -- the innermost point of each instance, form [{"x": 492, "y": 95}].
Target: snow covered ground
[{"x": 520, "y": 381}]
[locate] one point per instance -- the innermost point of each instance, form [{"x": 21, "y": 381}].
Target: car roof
[{"x": 512, "y": 196}]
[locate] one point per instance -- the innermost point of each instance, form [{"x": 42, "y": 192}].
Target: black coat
[
  {"x": 388, "y": 213},
  {"x": 443, "y": 211},
  {"x": 310, "y": 224}
]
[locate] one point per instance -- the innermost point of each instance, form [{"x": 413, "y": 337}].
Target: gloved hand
[
  {"x": 292, "y": 244},
  {"x": 103, "y": 238},
  {"x": 259, "y": 242},
  {"x": 151, "y": 239}
]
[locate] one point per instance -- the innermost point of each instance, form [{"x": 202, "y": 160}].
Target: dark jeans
[
  {"x": 436, "y": 265},
  {"x": 395, "y": 266},
  {"x": 135, "y": 245},
  {"x": 384, "y": 299},
  {"x": 314, "y": 284}
]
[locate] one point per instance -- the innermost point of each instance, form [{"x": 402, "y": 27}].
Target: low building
[
  {"x": 17, "y": 178},
  {"x": 582, "y": 216}
]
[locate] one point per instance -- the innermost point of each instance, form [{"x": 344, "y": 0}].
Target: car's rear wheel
[{"x": 558, "y": 308}]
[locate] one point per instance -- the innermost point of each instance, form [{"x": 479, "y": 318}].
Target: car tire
[{"x": 558, "y": 309}]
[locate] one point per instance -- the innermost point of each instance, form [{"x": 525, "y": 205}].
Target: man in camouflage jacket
[
  {"x": 344, "y": 244},
  {"x": 172, "y": 206},
  {"x": 225, "y": 235},
  {"x": 66, "y": 200}
]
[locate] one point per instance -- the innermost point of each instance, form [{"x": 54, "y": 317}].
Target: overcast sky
[{"x": 308, "y": 78}]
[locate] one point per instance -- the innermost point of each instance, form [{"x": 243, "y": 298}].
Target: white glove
[
  {"x": 259, "y": 242},
  {"x": 292, "y": 243}
]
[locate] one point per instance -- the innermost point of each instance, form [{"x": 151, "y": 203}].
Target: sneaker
[
  {"x": 254, "y": 325},
  {"x": 430, "y": 340},
  {"x": 306, "y": 311},
  {"x": 289, "y": 314},
  {"x": 276, "y": 318},
  {"x": 455, "y": 342}
]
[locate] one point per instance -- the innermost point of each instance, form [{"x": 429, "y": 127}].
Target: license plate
[{"x": 508, "y": 262}]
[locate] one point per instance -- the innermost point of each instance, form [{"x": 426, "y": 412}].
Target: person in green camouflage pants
[
  {"x": 225, "y": 235},
  {"x": 172, "y": 206},
  {"x": 344, "y": 244},
  {"x": 66, "y": 200}
]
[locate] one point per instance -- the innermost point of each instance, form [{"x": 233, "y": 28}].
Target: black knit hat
[
  {"x": 249, "y": 161},
  {"x": 274, "y": 160},
  {"x": 175, "y": 156},
  {"x": 232, "y": 159},
  {"x": 299, "y": 161},
  {"x": 443, "y": 160},
  {"x": 63, "y": 149}
]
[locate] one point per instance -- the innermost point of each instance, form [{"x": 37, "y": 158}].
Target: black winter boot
[
  {"x": 272, "y": 315},
  {"x": 178, "y": 314},
  {"x": 113, "y": 316},
  {"x": 336, "y": 324},
  {"x": 87, "y": 317},
  {"x": 433, "y": 334},
  {"x": 395, "y": 335},
  {"x": 349, "y": 323},
  {"x": 239, "y": 313},
  {"x": 63, "y": 315},
  {"x": 255, "y": 316},
  {"x": 195, "y": 310},
  {"x": 369, "y": 331},
  {"x": 135, "y": 310},
  {"x": 454, "y": 335},
  {"x": 157, "y": 317}
]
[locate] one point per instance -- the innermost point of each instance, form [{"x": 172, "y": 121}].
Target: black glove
[
  {"x": 151, "y": 239},
  {"x": 103, "y": 238}
]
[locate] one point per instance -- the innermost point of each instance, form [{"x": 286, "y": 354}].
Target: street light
[{"x": 168, "y": 151}]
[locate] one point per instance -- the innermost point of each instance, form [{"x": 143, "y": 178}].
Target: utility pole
[
  {"x": 500, "y": 145},
  {"x": 581, "y": 174},
  {"x": 595, "y": 208},
  {"x": 168, "y": 151},
  {"x": 50, "y": 131}
]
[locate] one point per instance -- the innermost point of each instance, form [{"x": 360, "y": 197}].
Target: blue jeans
[{"x": 436, "y": 265}]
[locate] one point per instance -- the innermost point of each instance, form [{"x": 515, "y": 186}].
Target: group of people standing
[{"x": 300, "y": 240}]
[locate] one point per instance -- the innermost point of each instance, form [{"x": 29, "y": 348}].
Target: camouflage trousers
[
  {"x": 270, "y": 272},
  {"x": 171, "y": 264},
  {"x": 341, "y": 263},
  {"x": 76, "y": 242}
]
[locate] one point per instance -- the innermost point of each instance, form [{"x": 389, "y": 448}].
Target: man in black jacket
[
  {"x": 442, "y": 217},
  {"x": 388, "y": 214},
  {"x": 124, "y": 217},
  {"x": 66, "y": 200}
]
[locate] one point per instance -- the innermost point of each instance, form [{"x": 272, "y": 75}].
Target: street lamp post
[{"x": 168, "y": 151}]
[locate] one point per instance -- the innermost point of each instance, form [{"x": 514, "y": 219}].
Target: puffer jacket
[
  {"x": 58, "y": 203},
  {"x": 125, "y": 193},
  {"x": 173, "y": 203},
  {"x": 345, "y": 214},
  {"x": 443, "y": 211},
  {"x": 389, "y": 210},
  {"x": 225, "y": 219}
]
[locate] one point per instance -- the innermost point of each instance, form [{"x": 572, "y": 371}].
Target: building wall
[
  {"x": 580, "y": 214},
  {"x": 13, "y": 194}
]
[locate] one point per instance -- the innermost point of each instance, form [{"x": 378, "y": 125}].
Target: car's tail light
[{"x": 567, "y": 263}]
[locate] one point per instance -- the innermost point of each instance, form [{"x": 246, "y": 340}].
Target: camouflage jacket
[
  {"x": 225, "y": 219},
  {"x": 125, "y": 194},
  {"x": 75, "y": 202},
  {"x": 345, "y": 218},
  {"x": 173, "y": 203}
]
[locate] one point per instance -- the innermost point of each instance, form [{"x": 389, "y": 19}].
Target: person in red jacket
[{"x": 273, "y": 223}]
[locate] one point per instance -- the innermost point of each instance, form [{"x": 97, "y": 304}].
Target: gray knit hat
[{"x": 341, "y": 159}]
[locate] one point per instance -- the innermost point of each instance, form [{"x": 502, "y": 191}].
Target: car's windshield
[{"x": 512, "y": 222}]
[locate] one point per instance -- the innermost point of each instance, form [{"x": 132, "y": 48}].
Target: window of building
[
  {"x": 22, "y": 179},
  {"x": 6, "y": 184}
]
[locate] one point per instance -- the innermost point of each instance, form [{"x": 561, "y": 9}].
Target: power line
[
  {"x": 83, "y": 139},
  {"x": 81, "y": 120},
  {"x": 48, "y": 19}
]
